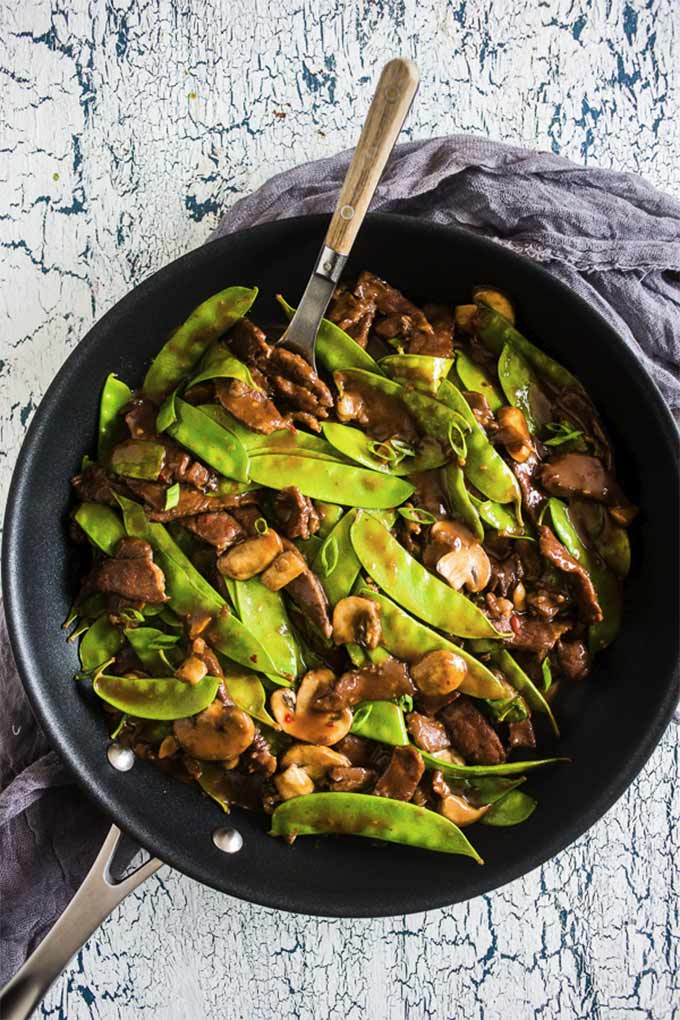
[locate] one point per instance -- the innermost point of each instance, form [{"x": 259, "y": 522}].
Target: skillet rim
[{"x": 558, "y": 839}]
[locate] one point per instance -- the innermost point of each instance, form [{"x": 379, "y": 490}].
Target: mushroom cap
[
  {"x": 296, "y": 716},
  {"x": 293, "y": 782},
  {"x": 439, "y": 672},
  {"x": 460, "y": 811},
  {"x": 456, "y": 555},
  {"x": 315, "y": 759},
  {"x": 218, "y": 733},
  {"x": 251, "y": 556},
  {"x": 356, "y": 620}
]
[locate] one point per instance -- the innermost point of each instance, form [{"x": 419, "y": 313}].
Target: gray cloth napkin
[{"x": 610, "y": 236}]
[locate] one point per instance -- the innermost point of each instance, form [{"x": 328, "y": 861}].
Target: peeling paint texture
[{"x": 126, "y": 127}]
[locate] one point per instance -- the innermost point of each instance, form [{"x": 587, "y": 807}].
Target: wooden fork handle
[{"x": 392, "y": 100}]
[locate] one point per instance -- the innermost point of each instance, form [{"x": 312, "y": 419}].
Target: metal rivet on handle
[
  {"x": 121, "y": 758},
  {"x": 347, "y": 212},
  {"x": 228, "y": 840}
]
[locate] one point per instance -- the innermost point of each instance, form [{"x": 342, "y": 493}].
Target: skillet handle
[
  {"x": 393, "y": 97},
  {"x": 94, "y": 900}
]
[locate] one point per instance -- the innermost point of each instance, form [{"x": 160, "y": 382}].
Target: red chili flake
[
  {"x": 288, "y": 718},
  {"x": 516, "y": 623},
  {"x": 253, "y": 658}
]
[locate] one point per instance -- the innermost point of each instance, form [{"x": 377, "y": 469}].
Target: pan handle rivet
[
  {"x": 228, "y": 840},
  {"x": 121, "y": 758}
]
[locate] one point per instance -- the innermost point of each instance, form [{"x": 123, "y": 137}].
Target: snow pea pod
[
  {"x": 609, "y": 540},
  {"x": 489, "y": 789},
  {"x": 408, "y": 582},
  {"x": 484, "y": 466},
  {"x": 188, "y": 591},
  {"x": 138, "y": 458},
  {"x": 382, "y": 721},
  {"x": 512, "y": 809},
  {"x": 335, "y": 349},
  {"x": 264, "y": 613},
  {"x": 151, "y": 645},
  {"x": 247, "y": 692},
  {"x": 524, "y": 684},
  {"x": 156, "y": 697},
  {"x": 361, "y": 814},
  {"x": 508, "y": 768},
  {"x": 188, "y": 342},
  {"x": 101, "y": 524},
  {"x": 497, "y": 516},
  {"x": 475, "y": 380},
  {"x": 115, "y": 395},
  {"x": 331, "y": 481},
  {"x": 329, "y": 515},
  {"x": 419, "y": 370},
  {"x": 522, "y": 389},
  {"x": 101, "y": 643},
  {"x": 219, "y": 363},
  {"x": 606, "y": 584},
  {"x": 459, "y": 499},
  {"x": 495, "y": 332},
  {"x": 360, "y": 448},
  {"x": 410, "y": 640},
  {"x": 281, "y": 441},
  {"x": 336, "y": 563},
  {"x": 209, "y": 441}
]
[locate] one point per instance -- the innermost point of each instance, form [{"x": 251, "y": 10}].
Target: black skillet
[{"x": 609, "y": 732}]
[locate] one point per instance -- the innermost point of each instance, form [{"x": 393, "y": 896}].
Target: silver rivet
[
  {"x": 228, "y": 840},
  {"x": 121, "y": 758},
  {"x": 328, "y": 266},
  {"x": 347, "y": 212}
]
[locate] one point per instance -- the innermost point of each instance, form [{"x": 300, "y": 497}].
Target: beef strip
[
  {"x": 574, "y": 659},
  {"x": 429, "y": 493},
  {"x": 309, "y": 596},
  {"x": 359, "y": 750},
  {"x": 352, "y": 314},
  {"x": 93, "y": 485},
  {"x": 381, "y": 414},
  {"x": 252, "y": 407},
  {"x": 439, "y": 344},
  {"x": 589, "y": 607},
  {"x": 531, "y": 635},
  {"x": 471, "y": 733},
  {"x": 350, "y": 779},
  {"x": 545, "y": 602},
  {"x": 380, "y": 682},
  {"x": 298, "y": 397},
  {"x": 140, "y": 418},
  {"x": 480, "y": 408},
  {"x": 429, "y": 734},
  {"x": 505, "y": 575},
  {"x": 258, "y": 757},
  {"x": 402, "y": 775},
  {"x": 131, "y": 573},
  {"x": 289, "y": 365},
  {"x": 577, "y": 408},
  {"x": 249, "y": 343},
  {"x": 578, "y": 474},
  {"x": 218, "y": 529},
  {"x": 525, "y": 473},
  {"x": 398, "y": 317},
  {"x": 521, "y": 734},
  {"x": 295, "y": 513}
]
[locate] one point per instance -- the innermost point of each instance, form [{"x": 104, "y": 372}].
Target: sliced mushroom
[
  {"x": 168, "y": 747},
  {"x": 460, "y": 811},
  {"x": 513, "y": 433},
  {"x": 250, "y": 557},
  {"x": 464, "y": 316},
  {"x": 439, "y": 672},
  {"x": 286, "y": 567},
  {"x": 356, "y": 620},
  {"x": 218, "y": 733},
  {"x": 449, "y": 755},
  {"x": 296, "y": 716},
  {"x": 192, "y": 670},
  {"x": 314, "y": 759},
  {"x": 457, "y": 556},
  {"x": 294, "y": 782},
  {"x": 495, "y": 299}
]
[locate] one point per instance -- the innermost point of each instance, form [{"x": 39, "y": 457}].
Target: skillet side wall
[{"x": 609, "y": 726}]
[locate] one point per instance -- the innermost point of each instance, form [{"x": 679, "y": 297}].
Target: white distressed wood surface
[{"x": 127, "y": 125}]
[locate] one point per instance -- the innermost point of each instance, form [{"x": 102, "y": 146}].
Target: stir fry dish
[{"x": 349, "y": 599}]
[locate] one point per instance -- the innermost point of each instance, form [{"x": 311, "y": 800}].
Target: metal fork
[{"x": 394, "y": 94}]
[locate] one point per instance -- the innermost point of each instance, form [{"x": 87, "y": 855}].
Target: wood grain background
[{"x": 127, "y": 126}]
